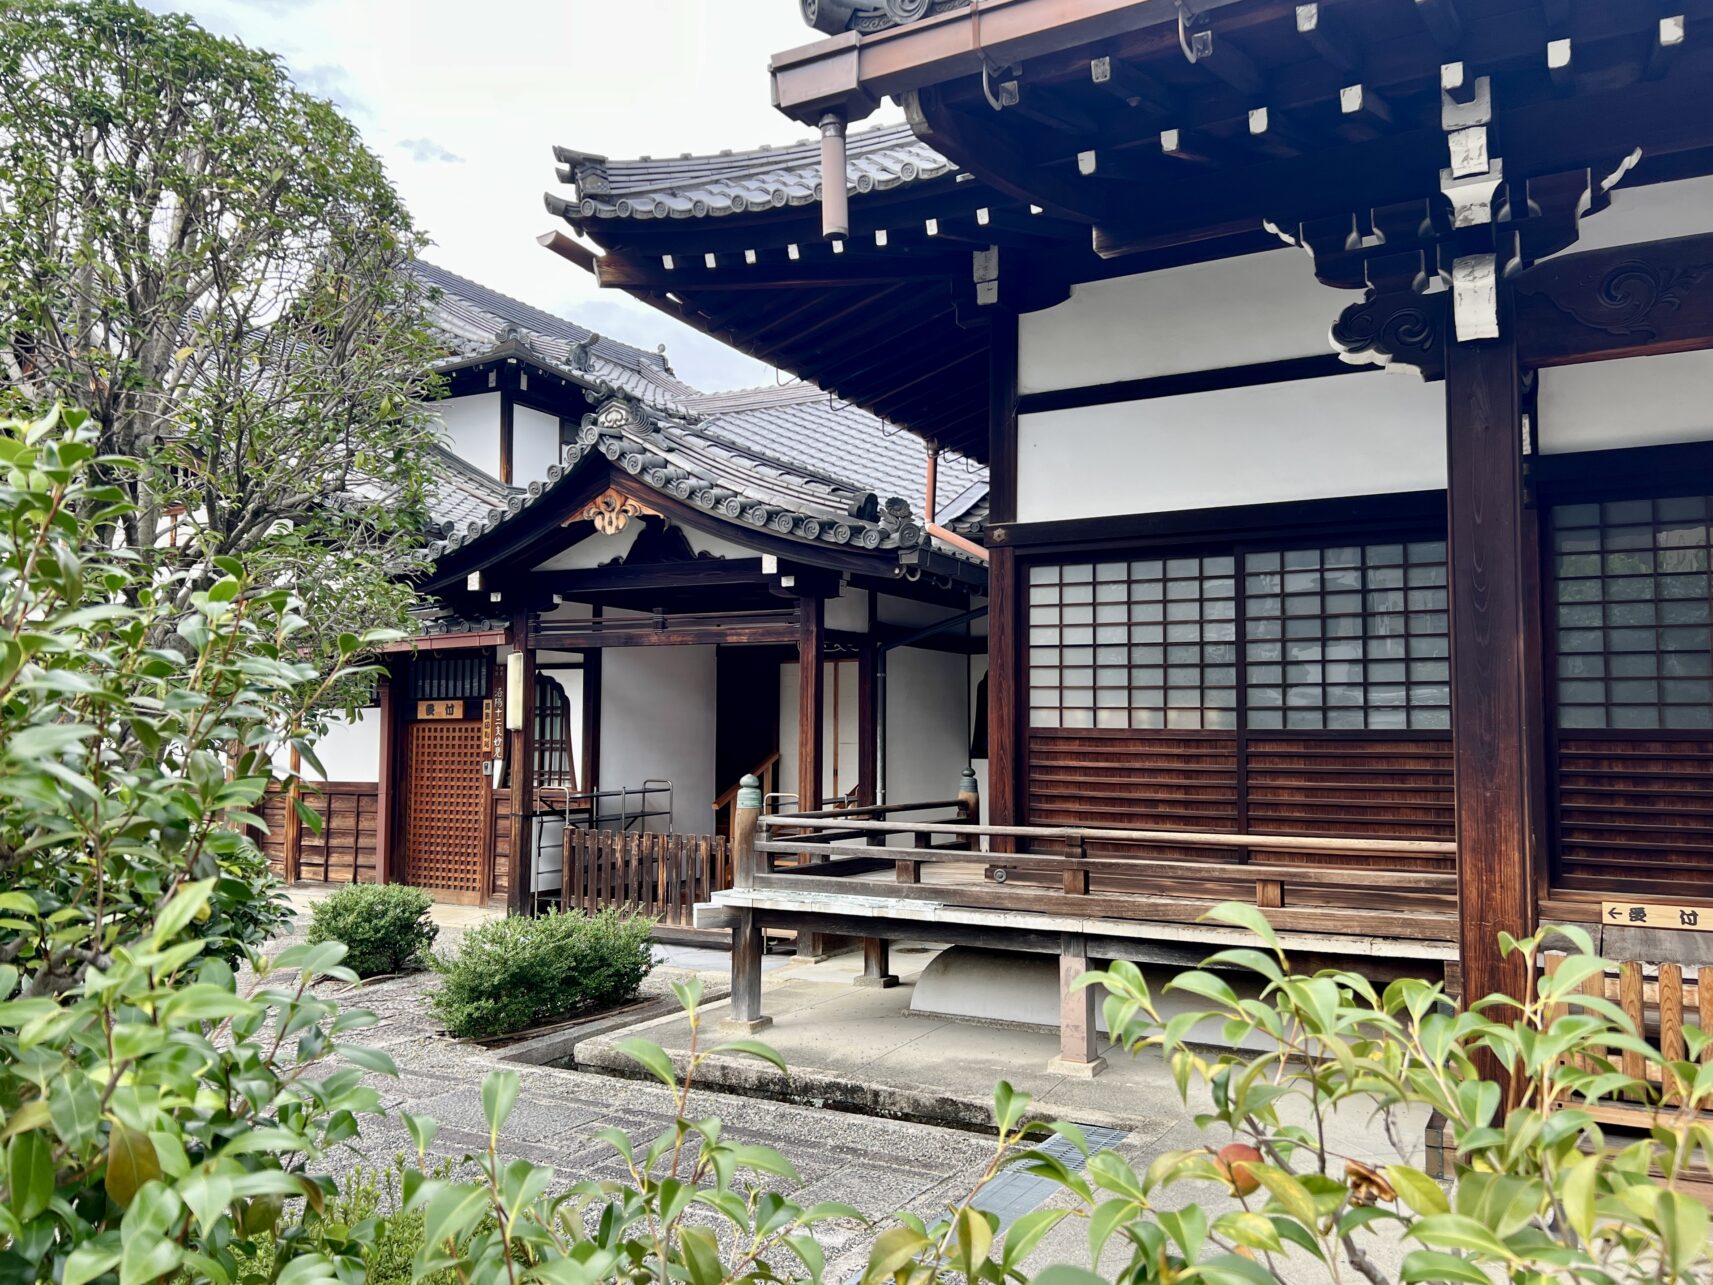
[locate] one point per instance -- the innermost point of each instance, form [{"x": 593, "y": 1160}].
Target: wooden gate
[
  {"x": 660, "y": 875},
  {"x": 443, "y": 800}
]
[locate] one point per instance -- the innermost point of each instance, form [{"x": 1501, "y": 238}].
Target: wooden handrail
[
  {"x": 760, "y": 769},
  {"x": 1175, "y": 838}
]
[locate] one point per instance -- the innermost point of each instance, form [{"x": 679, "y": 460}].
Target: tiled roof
[
  {"x": 473, "y": 320},
  {"x": 460, "y": 493},
  {"x": 675, "y": 453},
  {"x": 808, "y": 429},
  {"x": 768, "y": 178}
]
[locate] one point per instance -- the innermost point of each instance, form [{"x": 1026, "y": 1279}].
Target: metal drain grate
[{"x": 1015, "y": 1192}]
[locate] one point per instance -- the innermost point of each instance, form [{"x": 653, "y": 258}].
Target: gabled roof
[
  {"x": 677, "y": 456},
  {"x": 766, "y": 178},
  {"x": 474, "y": 321}
]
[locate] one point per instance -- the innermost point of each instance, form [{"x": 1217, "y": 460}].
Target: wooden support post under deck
[
  {"x": 518, "y": 894},
  {"x": 1079, "y": 1047},
  {"x": 748, "y": 945},
  {"x": 1490, "y": 661},
  {"x": 877, "y": 964}
]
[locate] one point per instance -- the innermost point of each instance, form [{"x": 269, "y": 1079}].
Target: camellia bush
[
  {"x": 153, "y": 1116},
  {"x": 385, "y": 927}
]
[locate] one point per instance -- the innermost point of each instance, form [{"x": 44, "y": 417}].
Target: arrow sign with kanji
[{"x": 1640, "y": 914}]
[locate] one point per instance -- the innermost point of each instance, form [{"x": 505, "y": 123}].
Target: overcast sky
[{"x": 465, "y": 99}]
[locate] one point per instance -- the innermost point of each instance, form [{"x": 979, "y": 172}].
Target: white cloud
[{"x": 499, "y": 84}]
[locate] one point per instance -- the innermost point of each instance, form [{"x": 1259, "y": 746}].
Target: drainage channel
[{"x": 1014, "y": 1192}]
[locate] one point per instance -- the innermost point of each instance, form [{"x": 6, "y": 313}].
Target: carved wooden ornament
[{"x": 612, "y": 510}]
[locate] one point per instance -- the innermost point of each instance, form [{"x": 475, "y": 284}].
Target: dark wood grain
[{"x": 811, "y": 687}]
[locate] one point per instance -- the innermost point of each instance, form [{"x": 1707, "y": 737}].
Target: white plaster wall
[
  {"x": 1639, "y": 401},
  {"x": 592, "y": 550},
  {"x": 716, "y": 546},
  {"x": 849, "y": 611},
  {"x": 977, "y": 670},
  {"x": 472, "y": 428},
  {"x": 1203, "y": 316},
  {"x": 351, "y": 750},
  {"x": 657, "y": 720},
  {"x": 927, "y": 724},
  {"x": 1651, "y": 213},
  {"x": 535, "y": 444},
  {"x": 1366, "y": 434},
  {"x": 839, "y": 709}
]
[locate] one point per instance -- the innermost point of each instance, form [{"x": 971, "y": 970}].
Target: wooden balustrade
[{"x": 1107, "y": 873}]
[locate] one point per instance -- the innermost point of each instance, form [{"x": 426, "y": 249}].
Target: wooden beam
[
  {"x": 1493, "y": 744},
  {"x": 591, "y": 759},
  {"x": 702, "y": 636},
  {"x": 1441, "y": 19},
  {"x": 1327, "y": 35},
  {"x": 669, "y": 575},
  {"x": 1135, "y": 88},
  {"x": 811, "y": 687},
  {"x": 506, "y": 415},
  {"x": 1628, "y": 301},
  {"x": 626, "y": 273}
]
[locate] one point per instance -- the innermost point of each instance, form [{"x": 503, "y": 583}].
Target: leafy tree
[
  {"x": 154, "y": 1118},
  {"x": 210, "y": 262}
]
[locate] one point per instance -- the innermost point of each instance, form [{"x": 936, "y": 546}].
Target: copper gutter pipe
[{"x": 932, "y": 527}]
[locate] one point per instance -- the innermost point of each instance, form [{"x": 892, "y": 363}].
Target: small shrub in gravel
[
  {"x": 510, "y": 974},
  {"x": 385, "y": 927}
]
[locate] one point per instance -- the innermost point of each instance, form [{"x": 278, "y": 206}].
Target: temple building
[
  {"x": 1342, "y": 375},
  {"x": 637, "y": 594}
]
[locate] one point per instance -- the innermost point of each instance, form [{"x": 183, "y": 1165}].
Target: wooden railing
[
  {"x": 874, "y": 852},
  {"x": 660, "y": 875}
]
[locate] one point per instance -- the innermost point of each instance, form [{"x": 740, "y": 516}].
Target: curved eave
[{"x": 530, "y": 528}]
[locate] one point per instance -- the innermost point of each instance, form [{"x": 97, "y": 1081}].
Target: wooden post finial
[{"x": 744, "y": 817}]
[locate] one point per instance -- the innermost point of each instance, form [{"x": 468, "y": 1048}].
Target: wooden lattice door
[{"x": 443, "y": 805}]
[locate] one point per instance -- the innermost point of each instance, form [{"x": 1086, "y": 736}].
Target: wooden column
[
  {"x": 592, "y": 717},
  {"x": 811, "y": 700},
  {"x": 1004, "y": 602},
  {"x": 506, "y": 435},
  {"x": 748, "y": 945},
  {"x": 1494, "y": 742},
  {"x": 1079, "y": 1046},
  {"x": 868, "y": 731},
  {"x": 877, "y": 964},
  {"x": 291, "y": 854},
  {"x": 518, "y": 899},
  {"x": 389, "y": 696}
]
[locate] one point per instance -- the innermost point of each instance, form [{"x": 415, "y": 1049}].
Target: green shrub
[
  {"x": 385, "y": 927},
  {"x": 510, "y": 974}
]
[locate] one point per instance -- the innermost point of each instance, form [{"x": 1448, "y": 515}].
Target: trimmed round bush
[
  {"x": 510, "y": 974},
  {"x": 385, "y": 927}
]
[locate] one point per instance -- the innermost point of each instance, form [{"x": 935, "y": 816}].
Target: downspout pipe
[
  {"x": 835, "y": 198},
  {"x": 932, "y": 509}
]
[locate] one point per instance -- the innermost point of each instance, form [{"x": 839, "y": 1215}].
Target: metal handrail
[{"x": 590, "y": 817}]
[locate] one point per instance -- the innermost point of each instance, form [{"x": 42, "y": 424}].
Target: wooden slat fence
[
  {"x": 1661, "y": 999},
  {"x": 660, "y": 875},
  {"x": 344, "y": 850}
]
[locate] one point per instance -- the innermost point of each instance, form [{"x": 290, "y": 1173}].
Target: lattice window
[
  {"x": 553, "y": 759},
  {"x": 452, "y": 677},
  {"x": 1144, "y": 643},
  {"x": 1350, "y": 637},
  {"x": 1631, "y": 614}
]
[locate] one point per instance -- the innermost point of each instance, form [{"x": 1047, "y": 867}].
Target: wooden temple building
[
  {"x": 638, "y": 594},
  {"x": 1344, "y": 373}
]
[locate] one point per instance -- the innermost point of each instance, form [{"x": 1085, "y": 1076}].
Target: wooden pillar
[
  {"x": 877, "y": 964},
  {"x": 506, "y": 435},
  {"x": 291, "y": 854},
  {"x": 389, "y": 696},
  {"x": 1494, "y": 737},
  {"x": 868, "y": 726},
  {"x": 592, "y": 717},
  {"x": 1079, "y": 1047},
  {"x": 518, "y": 897},
  {"x": 1004, "y": 601},
  {"x": 747, "y": 943},
  {"x": 811, "y": 699}
]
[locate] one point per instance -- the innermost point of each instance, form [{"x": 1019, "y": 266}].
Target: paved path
[{"x": 879, "y": 1165}]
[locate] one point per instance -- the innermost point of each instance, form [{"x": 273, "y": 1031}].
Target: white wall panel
[
  {"x": 351, "y": 750},
  {"x": 1364, "y": 434},
  {"x": 1204, "y": 316},
  {"x": 535, "y": 445},
  {"x": 1639, "y": 401},
  {"x": 927, "y": 724},
  {"x": 472, "y": 428},
  {"x": 657, "y": 720}
]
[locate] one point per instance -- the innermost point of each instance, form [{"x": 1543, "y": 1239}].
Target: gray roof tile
[{"x": 767, "y": 178}]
